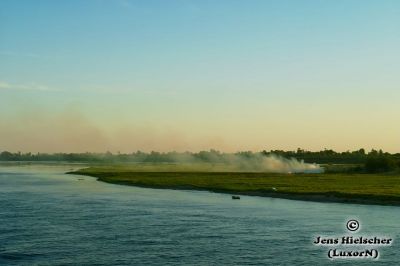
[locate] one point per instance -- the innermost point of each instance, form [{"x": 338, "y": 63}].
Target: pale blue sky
[{"x": 231, "y": 75}]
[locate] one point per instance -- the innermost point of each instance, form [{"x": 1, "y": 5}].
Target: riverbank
[{"x": 380, "y": 189}]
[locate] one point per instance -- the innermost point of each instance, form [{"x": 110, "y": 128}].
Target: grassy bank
[{"x": 383, "y": 189}]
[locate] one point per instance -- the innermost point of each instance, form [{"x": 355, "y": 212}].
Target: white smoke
[
  {"x": 277, "y": 164},
  {"x": 273, "y": 164},
  {"x": 252, "y": 162}
]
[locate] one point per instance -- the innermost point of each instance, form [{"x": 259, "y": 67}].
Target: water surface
[{"x": 49, "y": 218}]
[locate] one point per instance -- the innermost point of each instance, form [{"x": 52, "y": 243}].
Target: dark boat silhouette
[{"x": 235, "y": 197}]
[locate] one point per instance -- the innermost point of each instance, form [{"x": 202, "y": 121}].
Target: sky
[{"x": 186, "y": 75}]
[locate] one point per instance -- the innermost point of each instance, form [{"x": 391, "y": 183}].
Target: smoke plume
[{"x": 247, "y": 162}]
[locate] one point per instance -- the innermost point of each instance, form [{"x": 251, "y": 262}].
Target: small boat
[
  {"x": 80, "y": 179},
  {"x": 235, "y": 197}
]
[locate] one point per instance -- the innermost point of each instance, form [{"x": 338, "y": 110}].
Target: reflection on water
[{"x": 49, "y": 218}]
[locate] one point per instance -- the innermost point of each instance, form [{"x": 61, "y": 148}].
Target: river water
[{"x": 49, "y": 218}]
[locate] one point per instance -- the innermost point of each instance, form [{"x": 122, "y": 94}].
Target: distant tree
[
  {"x": 376, "y": 164},
  {"x": 6, "y": 155},
  {"x": 373, "y": 152},
  {"x": 360, "y": 152}
]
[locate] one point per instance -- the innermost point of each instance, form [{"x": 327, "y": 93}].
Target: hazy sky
[{"x": 190, "y": 75}]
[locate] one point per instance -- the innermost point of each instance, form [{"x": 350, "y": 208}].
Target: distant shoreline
[{"x": 225, "y": 183}]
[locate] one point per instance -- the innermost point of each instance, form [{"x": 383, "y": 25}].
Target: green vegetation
[
  {"x": 377, "y": 164},
  {"x": 337, "y": 187}
]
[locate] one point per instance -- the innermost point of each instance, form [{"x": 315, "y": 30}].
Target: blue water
[{"x": 49, "y": 218}]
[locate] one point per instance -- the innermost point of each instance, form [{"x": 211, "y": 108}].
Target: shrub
[{"x": 375, "y": 164}]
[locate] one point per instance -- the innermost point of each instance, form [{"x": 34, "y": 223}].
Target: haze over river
[{"x": 50, "y": 218}]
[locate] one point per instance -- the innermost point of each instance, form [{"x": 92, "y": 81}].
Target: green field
[{"x": 381, "y": 189}]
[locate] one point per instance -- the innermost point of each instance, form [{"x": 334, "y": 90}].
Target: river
[{"x": 50, "y": 218}]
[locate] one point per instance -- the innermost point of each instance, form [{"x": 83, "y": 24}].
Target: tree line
[{"x": 372, "y": 161}]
